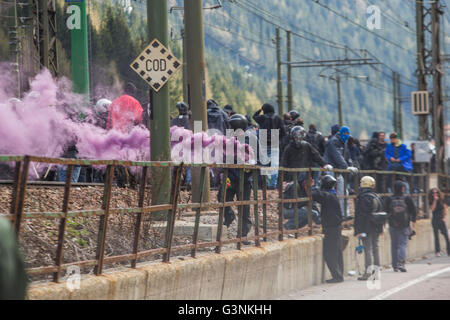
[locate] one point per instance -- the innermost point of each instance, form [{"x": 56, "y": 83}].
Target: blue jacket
[{"x": 405, "y": 156}]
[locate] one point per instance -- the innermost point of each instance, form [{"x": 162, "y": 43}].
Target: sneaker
[
  {"x": 396, "y": 270},
  {"x": 438, "y": 254},
  {"x": 334, "y": 281},
  {"x": 402, "y": 269},
  {"x": 246, "y": 243},
  {"x": 364, "y": 277}
]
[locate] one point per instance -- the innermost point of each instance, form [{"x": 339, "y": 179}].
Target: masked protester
[
  {"x": 369, "y": 222},
  {"x": 101, "y": 112},
  {"x": 237, "y": 122},
  {"x": 183, "y": 116},
  {"x": 269, "y": 122},
  {"x": 301, "y": 154},
  {"x": 337, "y": 155},
  {"x": 331, "y": 218},
  {"x": 402, "y": 217},
  {"x": 217, "y": 118}
]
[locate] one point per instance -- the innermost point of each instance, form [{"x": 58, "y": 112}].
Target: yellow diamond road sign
[{"x": 156, "y": 65}]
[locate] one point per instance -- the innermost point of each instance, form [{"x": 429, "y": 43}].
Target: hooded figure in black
[
  {"x": 269, "y": 121},
  {"x": 366, "y": 227},
  {"x": 183, "y": 116},
  {"x": 302, "y": 206},
  {"x": 331, "y": 217},
  {"x": 238, "y": 122},
  {"x": 299, "y": 153},
  {"x": 402, "y": 216},
  {"x": 217, "y": 118}
]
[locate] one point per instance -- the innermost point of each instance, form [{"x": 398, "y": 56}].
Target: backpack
[
  {"x": 399, "y": 212},
  {"x": 216, "y": 120},
  {"x": 377, "y": 217}
]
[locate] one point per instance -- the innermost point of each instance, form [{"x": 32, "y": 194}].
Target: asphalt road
[{"x": 427, "y": 279}]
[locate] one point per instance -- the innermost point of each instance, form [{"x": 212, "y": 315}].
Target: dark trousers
[
  {"x": 332, "y": 251},
  {"x": 371, "y": 249},
  {"x": 439, "y": 225},
  {"x": 381, "y": 186},
  {"x": 229, "y": 215}
]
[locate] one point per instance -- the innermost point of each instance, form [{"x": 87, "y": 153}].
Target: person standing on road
[
  {"x": 402, "y": 217},
  {"x": 367, "y": 226},
  {"x": 439, "y": 210},
  {"x": 331, "y": 218}
]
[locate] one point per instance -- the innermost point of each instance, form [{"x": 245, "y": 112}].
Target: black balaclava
[{"x": 268, "y": 108}]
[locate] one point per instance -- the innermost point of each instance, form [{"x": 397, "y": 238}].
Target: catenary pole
[
  {"x": 196, "y": 82},
  {"x": 160, "y": 119}
]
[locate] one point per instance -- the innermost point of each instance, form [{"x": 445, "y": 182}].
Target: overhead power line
[{"x": 361, "y": 26}]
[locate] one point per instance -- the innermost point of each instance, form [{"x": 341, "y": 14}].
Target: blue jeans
[
  {"x": 302, "y": 218},
  {"x": 274, "y": 155},
  {"x": 341, "y": 192},
  {"x": 188, "y": 176},
  {"x": 75, "y": 175},
  {"x": 399, "y": 243},
  {"x": 316, "y": 176}
]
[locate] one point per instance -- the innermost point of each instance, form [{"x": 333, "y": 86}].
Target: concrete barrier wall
[{"x": 253, "y": 273}]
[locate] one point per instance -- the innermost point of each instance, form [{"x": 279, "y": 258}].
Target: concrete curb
[{"x": 253, "y": 273}]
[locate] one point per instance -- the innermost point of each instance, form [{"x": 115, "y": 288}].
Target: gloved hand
[
  {"x": 353, "y": 170},
  {"x": 328, "y": 167}
]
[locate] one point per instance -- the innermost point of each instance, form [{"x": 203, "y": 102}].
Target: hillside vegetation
[{"x": 241, "y": 55}]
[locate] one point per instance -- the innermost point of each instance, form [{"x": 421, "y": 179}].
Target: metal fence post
[
  {"x": 171, "y": 217},
  {"x": 356, "y": 181},
  {"x": 198, "y": 211},
  {"x": 295, "y": 181},
  {"x": 310, "y": 201},
  {"x": 223, "y": 193},
  {"x": 264, "y": 194},
  {"x": 345, "y": 176},
  {"x": 22, "y": 193},
  {"x": 241, "y": 207},
  {"x": 141, "y": 204},
  {"x": 62, "y": 223},
  {"x": 104, "y": 220},
  {"x": 16, "y": 188},
  {"x": 281, "y": 205},
  {"x": 255, "y": 207}
]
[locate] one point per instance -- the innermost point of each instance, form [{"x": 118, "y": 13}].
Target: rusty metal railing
[{"x": 17, "y": 212}]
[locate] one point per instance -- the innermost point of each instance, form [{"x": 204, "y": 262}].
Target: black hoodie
[
  {"x": 398, "y": 193},
  {"x": 330, "y": 210},
  {"x": 365, "y": 206}
]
